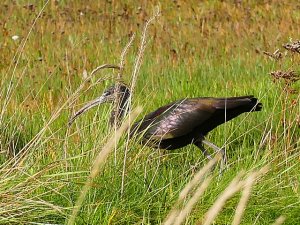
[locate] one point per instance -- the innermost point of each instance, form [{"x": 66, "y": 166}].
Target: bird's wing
[
  {"x": 176, "y": 119},
  {"x": 182, "y": 117}
]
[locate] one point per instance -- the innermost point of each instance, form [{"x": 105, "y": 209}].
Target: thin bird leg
[
  {"x": 217, "y": 150},
  {"x": 200, "y": 145}
]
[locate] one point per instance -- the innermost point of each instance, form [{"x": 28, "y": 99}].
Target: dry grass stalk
[
  {"x": 235, "y": 185},
  {"x": 7, "y": 93},
  {"x": 116, "y": 108},
  {"x": 239, "y": 212},
  {"x": 99, "y": 162},
  {"x": 94, "y": 71},
  {"x": 19, "y": 159},
  {"x": 16, "y": 59},
  {"x": 249, "y": 182},
  {"x": 293, "y": 47},
  {"x": 116, "y": 111},
  {"x": 123, "y": 54},
  {"x": 137, "y": 65},
  {"x": 197, "y": 178},
  {"x": 139, "y": 58},
  {"x": 104, "y": 66},
  {"x": 280, "y": 220},
  {"x": 214, "y": 210},
  {"x": 174, "y": 213},
  {"x": 76, "y": 94},
  {"x": 194, "y": 199}
]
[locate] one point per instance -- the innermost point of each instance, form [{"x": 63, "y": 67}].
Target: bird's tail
[{"x": 247, "y": 103}]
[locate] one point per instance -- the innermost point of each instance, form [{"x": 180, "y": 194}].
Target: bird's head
[{"x": 120, "y": 91}]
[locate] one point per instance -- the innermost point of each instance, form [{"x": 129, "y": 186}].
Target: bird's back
[{"x": 179, "y": 123}]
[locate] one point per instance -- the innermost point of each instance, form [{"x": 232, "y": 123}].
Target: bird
[{"x": 177, "y": 124}]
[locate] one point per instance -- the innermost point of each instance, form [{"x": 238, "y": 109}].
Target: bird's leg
[
  {"x": 199, "y": 144},
  {"x": 218, "y": 150}
]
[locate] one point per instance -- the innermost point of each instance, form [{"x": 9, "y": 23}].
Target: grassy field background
[{"x": 206, "y": 48}]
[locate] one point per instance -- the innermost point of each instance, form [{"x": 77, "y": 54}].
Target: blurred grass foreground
[{"x": 91, "y": 174}]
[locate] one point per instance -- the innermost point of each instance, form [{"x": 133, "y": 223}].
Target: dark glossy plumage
[
  {"x": 187, "y": 121},
  {"x": 180, "y": 123}
]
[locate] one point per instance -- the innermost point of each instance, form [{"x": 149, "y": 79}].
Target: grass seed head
[
  {"x": 293, "y": 47},
  {"x": 289, "y": 77}
]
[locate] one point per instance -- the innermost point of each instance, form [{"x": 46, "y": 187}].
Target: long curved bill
[{"x": 88, "y": 106}]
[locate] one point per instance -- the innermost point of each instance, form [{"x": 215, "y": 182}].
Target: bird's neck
[{"x": 121, "y": 109}]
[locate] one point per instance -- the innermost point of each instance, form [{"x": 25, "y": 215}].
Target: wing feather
[{"x": 178, "y": 119}]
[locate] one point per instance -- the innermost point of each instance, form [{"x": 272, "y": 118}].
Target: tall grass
[{"x": 210, "y": 48}]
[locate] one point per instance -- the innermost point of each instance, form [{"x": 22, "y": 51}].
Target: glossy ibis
[{"x": 179, "y": 123}]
